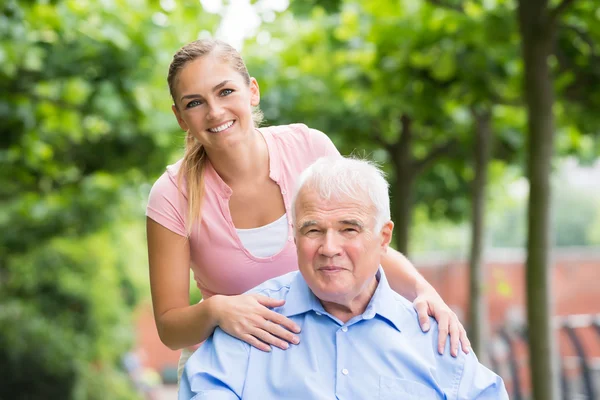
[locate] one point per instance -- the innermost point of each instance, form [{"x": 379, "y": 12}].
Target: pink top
[{"x": 220, "y": 262}]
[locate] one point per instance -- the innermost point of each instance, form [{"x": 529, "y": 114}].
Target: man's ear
[
  {"x": 180, "y": 120},
  {"x": 386, "y": 235},
  {"x": 254, "y": 93}
]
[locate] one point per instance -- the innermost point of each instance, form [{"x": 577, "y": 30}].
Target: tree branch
[
  {"x": 434, "y": 154},
  {"x": 380, "y": 140},
  {"x": 559, "y": 9},
  {"x": 445, "y": 4}
]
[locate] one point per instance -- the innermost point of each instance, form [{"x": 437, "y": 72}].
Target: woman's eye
[
  {"x": 193, "y": 103},
  {"x": 226, "y": 92}
]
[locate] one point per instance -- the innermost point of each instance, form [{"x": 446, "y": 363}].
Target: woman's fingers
[
  {"x": 454, "y": 336},
  {"x": 423, "y": 312},
  {"x": 275, "y": 329},
  {"x": 254, "y": 342},
  {"x": 464, "y": 340},
  {"x": 279, "y": 319},
  {"x": 266, "y": 337},
  {"x": 249, "y": 318}
]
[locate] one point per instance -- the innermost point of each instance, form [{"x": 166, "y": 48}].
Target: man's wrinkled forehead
[{"x": 346, "y": 209}]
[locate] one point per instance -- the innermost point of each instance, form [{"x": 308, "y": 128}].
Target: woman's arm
[
  {"x": 180, "y": 325},
  {"x": 405, "y": 280}
]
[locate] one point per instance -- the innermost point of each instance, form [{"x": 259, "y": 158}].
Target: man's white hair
[{"x": 347, "y": 178}]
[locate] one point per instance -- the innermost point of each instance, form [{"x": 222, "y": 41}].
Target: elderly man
[{"x": 359, "y": 339}]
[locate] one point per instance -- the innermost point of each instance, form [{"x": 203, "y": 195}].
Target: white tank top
[{"x": 267, "y": 240}]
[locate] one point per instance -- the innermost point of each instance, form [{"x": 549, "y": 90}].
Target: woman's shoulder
[
  {"x": 288, "y": 132},
  {"x": 300, "y": 137},
  {"x": 169, "y": 181}
]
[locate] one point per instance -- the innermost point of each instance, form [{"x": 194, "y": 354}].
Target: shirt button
[
  {"x": 318, "y": 313},
  {"x": 283, "y": 191},
  {"x": 345, "y": 371},
  {"x": 344, "y": 329}
]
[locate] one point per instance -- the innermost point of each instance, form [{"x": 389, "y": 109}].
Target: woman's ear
[
  {"x": 180, "y": 120},
  {"x": 254, "y": 93}
]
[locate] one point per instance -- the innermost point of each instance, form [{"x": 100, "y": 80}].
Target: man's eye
[
  {"x": 350, "y": 230},
  {"x": 226, "y": 92},
  {"x": 193, "y": 103}
]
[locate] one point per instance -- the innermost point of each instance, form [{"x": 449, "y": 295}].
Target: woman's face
[{"x": 214, "y": 103}]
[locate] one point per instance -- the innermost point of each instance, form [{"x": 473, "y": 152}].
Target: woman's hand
[
  {"x": 431, "y": 304},
  {"x": 248, "y": 318}
]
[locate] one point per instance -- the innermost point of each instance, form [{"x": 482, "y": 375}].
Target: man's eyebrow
[
  {"x": 194, "y": 96},
  {"x": 353, "y": 222},
  {"x": 308, "y": 223}
]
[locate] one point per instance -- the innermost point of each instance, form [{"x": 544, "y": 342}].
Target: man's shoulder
[
  {"x": 275, "y": 288},
  {"x": 412, "y": 327}
]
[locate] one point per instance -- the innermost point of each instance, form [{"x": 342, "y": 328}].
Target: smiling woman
[{"x": 234, "y": 180}]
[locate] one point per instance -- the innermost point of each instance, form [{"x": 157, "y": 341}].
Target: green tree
[
  {"x": 538, "y": 22},
  {"x": 85, "y": 120}
]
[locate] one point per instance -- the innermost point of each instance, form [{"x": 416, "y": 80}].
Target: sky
[{"x": 240, "y": 19}]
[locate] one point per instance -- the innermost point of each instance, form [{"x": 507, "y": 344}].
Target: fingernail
[
  {"x": 286, "y": 345},
  {"x": 295, "y": 340},
  {"x": 426, "y": 326}
]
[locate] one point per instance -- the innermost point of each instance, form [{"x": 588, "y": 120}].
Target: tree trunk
[
  {"x": 537, "y": 38},
  {"x": 478, "y": 304}
]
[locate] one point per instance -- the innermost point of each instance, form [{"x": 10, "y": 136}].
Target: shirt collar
[
  {"x": 385, "y": 303},
  {"x": 300, "y": 299}
]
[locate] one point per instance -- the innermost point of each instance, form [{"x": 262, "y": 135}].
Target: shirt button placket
[{"x": 343, "y": 381}]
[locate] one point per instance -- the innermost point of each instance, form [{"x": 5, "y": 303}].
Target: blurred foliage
[
  {"x": 358, "y": 69},
  {"x": 86, "y": 123}
]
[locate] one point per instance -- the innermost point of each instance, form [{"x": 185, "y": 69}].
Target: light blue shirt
[{"x": 381, "y": 354}]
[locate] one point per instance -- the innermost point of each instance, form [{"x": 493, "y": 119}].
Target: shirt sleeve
[
  {"x": 166, "y": 205},
  {"x": 217, "y": 370},
  {"x": 321, "y": 144},
  {"x": 479, "y": 383}
]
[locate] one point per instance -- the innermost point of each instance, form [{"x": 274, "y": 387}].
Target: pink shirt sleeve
[
  {"x": 166, "y": 205},
  {"x": 321, "y": 145}
]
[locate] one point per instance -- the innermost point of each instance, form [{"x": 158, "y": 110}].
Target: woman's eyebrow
[{"x": 195, "y": 96}]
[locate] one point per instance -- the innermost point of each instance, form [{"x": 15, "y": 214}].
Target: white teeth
[{"x": 222, "y": 127}]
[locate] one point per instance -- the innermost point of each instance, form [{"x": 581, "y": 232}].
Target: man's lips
[{"x": 331, "y": 268}]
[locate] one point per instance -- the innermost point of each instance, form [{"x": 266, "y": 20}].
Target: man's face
[{"x": 338, "y": 250}]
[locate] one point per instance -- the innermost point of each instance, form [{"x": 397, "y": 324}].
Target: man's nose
[{"x": 330, "y": 246}]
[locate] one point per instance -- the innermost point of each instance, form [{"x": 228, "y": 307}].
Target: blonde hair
[{"x": 194, "y": 158}]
